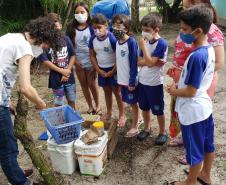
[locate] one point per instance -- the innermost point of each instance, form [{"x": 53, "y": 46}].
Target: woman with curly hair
[{"x": 16, "y": 53}]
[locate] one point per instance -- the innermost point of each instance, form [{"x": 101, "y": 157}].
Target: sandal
[
  {"x": 182, "y": 160},
  {"x": 131, "y": 134},
  {"x": 170, "y": 183},
  {"x": 97, "y": 112},
  {"x": 121, "y": 122},
  {"x": 174, "y": 142},
  {"x": 90, "y": 112},
  {"x": 198, "y": 179}
]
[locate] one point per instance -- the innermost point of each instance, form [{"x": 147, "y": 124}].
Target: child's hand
[
  {"x": 102, "y": 73},
  {"x": 110, "y": 73},
  {"x": 64, "y": 79},
  {"x": 66, "y": 72},
  {"x": 78, "y": 66},
  {"x": 171, "y": 89},
  {"x": 142, "y": 42},
  {"x": 131, "y": 88}
]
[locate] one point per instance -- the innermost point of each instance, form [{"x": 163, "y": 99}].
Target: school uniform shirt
[
  {"x": 13, "y": 46},
  {"x": 104, "y": 49},
  {"x": 126, "y": 62},
  {"x": 82, "y": 37},
  {"x": 61, "y": 60},
  {"x": 198, "y": 72},
  {"x": 153, "y": 76}
]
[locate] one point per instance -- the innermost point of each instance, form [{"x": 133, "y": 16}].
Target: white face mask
[
  {"x": 147, "y": 35},
  {"x": 81, "y": 18},
  {"x": 36, "y": 50}
]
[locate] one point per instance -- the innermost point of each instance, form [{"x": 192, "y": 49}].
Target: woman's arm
[{"x": 219, "y": 57}]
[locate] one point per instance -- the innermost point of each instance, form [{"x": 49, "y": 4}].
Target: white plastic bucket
[
  {"x": 62, "y": 156},
  {"x": 92, "y": 158}
]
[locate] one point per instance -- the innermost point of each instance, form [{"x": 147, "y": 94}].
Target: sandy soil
[{"x": 134, "y": 162}]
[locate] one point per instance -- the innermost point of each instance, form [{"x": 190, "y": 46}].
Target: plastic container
[
  {"x": 62, "y": 156},
  {"x": 92, "y": 158},
  {"x": 63, "y": 123}
]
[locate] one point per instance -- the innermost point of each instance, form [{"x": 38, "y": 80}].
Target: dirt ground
[{"x": 134, "y": 162}]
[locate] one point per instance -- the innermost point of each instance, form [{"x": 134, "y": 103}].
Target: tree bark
[
  {"x": 135, "y": 16},
  {"x": 38, "y": 159},
  {"x": 70, "y": 5}
]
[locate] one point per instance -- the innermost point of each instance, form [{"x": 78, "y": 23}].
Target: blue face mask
[{"x": 187, "y": 38}]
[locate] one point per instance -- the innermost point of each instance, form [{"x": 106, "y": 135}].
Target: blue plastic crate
[{"x": 63, "y": 123}]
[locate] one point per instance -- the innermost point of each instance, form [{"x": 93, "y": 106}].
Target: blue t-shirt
[
  {"x": 61, "y": 60},
  {"x": 196, "y": 67}
]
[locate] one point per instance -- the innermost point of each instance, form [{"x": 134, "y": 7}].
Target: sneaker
[
  {"x": 161, "y": 139},
  {"x": 143, "y": 135}
]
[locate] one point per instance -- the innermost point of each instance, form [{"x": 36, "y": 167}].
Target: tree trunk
[
  {"x": 70, "y": 5},
  {"x": 135, "y": 16},
  {"x": 38, "y": 159}
]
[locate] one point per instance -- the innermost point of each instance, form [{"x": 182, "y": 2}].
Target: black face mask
[{"x": 118, "y": 33}]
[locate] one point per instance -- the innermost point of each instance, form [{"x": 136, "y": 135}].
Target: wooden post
[{"x": 38, "y": 159}]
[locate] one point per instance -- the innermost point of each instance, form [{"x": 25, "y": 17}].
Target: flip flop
[
  {"x": 131, "y": 134},
  {"x": 182, "y": 160},
  {"x": 89, "y": 112},
  {"x": 97, "y": 112},
  {"x": 198, "y": 178},
  {"x": 170, "y": 183},
  {"x": 121, "y": 124},
  {"x": 174, "y": 142}
]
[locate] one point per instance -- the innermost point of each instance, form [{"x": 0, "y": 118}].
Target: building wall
[{"x": 220, "y": 6}]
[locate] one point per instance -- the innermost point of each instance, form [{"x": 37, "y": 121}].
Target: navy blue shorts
[
  {"x": 109, "y": 81},
  {"x": 198, "y": 139},
  {"x": 151, "y": 97},
  {"x": 130, "y": 97}
]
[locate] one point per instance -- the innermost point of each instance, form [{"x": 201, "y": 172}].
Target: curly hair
[{"x": 44, "y": 30}]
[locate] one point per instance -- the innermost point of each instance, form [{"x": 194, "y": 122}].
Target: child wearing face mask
[
  {"x": 60, "y": 63},
  {"x": 102, "y": 51},
  {"x": 80, "y": 32},
  {"x": 151, "y": 60},
  {"x": 126, "y": 65}
]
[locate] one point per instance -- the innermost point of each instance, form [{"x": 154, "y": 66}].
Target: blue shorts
[
  {"x": 198, "y": 139},
  {"x": 67, "y": 90},
  {"x": 151, "y": 97},
  {"x": 130, "y": 97},
  {"x": 109, "y": 81}
]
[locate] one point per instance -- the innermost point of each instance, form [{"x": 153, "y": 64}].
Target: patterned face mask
[{"x": 118, "y": 33}]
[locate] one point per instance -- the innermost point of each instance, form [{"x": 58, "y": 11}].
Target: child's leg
[
  {"x": 134, "y": 117},
  {"x": 147, "y": 120},
  {"x": 70, "y": 94},
  {"x": 161, "y": 122},
  {"x": 118, "y": 97},
  {"x": 58, "y": 96},
  {"x": 91, "y": 76},
  {"x": 193, "y": 175},
  {"x": 84, "y": 85},
  {"x": 108, "y": 101}
]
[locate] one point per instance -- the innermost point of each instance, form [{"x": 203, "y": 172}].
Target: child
[
  {"x": 152, "y": 57},
  {"x": 80, "y": 33},
  {"x": 60, "y": 63},
  {"x": 126, "y": 63},
  {"x": 102, "y": 51},
  {"x": 193, "y": 105}
]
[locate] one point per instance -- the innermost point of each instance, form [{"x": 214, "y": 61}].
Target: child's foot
[
  {"x": 97, "y": 112},
  {"x": 143, "y": 135},
  {"x": 204, "y": 179},
  {"x": 132, "y": 132},
  {"x": 175, "y": 142},
  {"x": 90, "y": 110},
  {"x": 106, "y": 117},
  {"x": 161, "y": 139},
  {"x": 121, "y": 122}
]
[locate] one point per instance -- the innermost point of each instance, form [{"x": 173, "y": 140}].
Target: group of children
[
  {"x": 115, "y": 58},
  {"x": 134, "y": 74}
]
